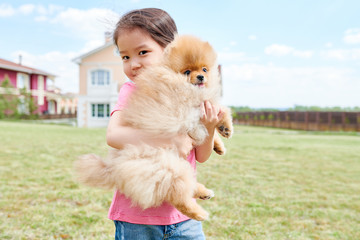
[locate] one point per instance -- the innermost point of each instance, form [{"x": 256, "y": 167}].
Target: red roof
[{"x": 5, "y": 64}]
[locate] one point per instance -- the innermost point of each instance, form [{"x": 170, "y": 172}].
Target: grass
[{"x": 272, "y": 184}]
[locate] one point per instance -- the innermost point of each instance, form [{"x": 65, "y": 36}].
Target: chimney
[
  {"x": 108, "y": 36},
  {"x": 20, "y": 59}
]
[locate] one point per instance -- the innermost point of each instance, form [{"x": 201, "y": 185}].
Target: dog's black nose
[{"x": 200, "y": 78}]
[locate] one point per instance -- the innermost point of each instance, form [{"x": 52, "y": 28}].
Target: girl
[{"x": 141, "y": 36}]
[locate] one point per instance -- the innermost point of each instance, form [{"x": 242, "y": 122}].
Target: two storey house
[
  {"x": 100, "y": 77},
  {"x": 34, "y": 81}
]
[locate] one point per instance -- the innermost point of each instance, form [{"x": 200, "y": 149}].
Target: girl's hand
[{"x": 211, "y": 115}]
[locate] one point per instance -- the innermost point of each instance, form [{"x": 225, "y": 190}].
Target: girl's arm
[
  {"x": 211, "y": 116},
  {"x": 118, "y": 135}
]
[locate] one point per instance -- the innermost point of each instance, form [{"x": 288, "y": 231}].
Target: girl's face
[{"x": 137, "y": 50}]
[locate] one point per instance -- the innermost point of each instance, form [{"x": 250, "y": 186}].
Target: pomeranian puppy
[{"x": 166, "y": 102}]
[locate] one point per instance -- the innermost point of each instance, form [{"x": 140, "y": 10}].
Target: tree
[
  {"x": 8, "y": 101},
  {"x": 29, "y": 104}
]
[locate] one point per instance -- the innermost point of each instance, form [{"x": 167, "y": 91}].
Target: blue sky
[{"x": 273, "y": 53}]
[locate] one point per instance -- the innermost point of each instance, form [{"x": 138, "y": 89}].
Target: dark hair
[{"x": 156, "y": 22}]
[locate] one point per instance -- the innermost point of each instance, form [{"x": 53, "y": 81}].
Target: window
[
  {"x": 22, "y": 81},
  {"x": 100, "y": 110},
  {"x": 51, "y": 107},
  {"x": 100, "y": 77},
  {"x": 21, "y": 106}
]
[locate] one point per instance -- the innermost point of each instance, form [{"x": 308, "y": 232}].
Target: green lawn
[{"x": 272, "y": 184}]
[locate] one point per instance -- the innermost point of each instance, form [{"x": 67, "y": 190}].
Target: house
[
  {"x": 37, "y": 82},
  {"x": 66, "y": 103},
  {"x": 100, "y": 77}
]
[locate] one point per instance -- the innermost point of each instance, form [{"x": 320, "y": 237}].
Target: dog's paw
[
  {"x": 201, "y": 216},
  {"x": 220, "y": 150},
  {"x": 210, "y": 194},
  {"x": 225, "y": 131}
]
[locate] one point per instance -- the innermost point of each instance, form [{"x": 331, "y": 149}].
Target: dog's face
[{"x": 192, "y": 57}]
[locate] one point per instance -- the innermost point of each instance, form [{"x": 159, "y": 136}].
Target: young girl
[{"x": 141, "y": 36}]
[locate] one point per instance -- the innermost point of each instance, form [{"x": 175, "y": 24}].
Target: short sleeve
[{"x": 124, "y": 93}]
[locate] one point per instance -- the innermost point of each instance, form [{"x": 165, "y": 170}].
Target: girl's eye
[
  {"x": 187, "y": 72},
  {"x": 204, "y": 69},
  {"x": 125, "y": 58},
  {"x": 142, "y": 52}
]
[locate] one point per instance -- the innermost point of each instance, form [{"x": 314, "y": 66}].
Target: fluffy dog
[{"x": 166, "y": 102}]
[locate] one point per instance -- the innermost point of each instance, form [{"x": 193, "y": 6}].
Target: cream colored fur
[{"x": 164, "y": 103}]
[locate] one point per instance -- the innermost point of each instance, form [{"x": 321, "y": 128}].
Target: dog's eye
[
  {"x": 187, "y": 72},
  {"x": 204, "y": 69}
]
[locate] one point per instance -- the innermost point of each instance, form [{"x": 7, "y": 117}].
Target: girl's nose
[{"x": 135, "y": 65}]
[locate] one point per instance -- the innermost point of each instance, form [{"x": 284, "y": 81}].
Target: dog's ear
[
  {"x": 170, "y": 46},
  {"x": 167, "y": 50}
]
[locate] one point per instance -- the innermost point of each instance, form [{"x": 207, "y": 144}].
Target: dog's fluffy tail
[
  {"x": 92, "y": 170},
  {"x": 142, "y": 173}
]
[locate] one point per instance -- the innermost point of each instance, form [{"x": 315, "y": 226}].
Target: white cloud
[
  {"x": 329, "y": 45},
  {"x": 46, "y": 13},
  {"x": 233, "y": 43},
  {"x": 87, "y": 24},
  {"x": 335, "y": 54},
  {"x": 252, "y": 37},
  {"x": 6, "y": 10},
  {"x": 228, "y": 56},
  {"x": 272, "y": 74},
  {"x": 352, "y": 36},
  {"x": 41, "y": 18},
  {"x": 342, "y": 54},
  {"x": 278, "y": 50},
  {"x": 303, "y": 54},
  {"x": 283, "y": 50},
  {"x": 259, "y": 85},
  {"x": 91, "y": 45},
  {"x": 26, "y": 8},
  {"x": 50, "y": 9}
]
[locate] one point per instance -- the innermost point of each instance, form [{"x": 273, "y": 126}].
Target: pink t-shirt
[{"x": 121, "y": 208}]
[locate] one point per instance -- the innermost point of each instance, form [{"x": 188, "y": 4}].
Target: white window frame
[
  {"x": 40, "y": 86},
  {"x": 40, "y": 83},
  {"x": 95, "y": 113},
  {"x": 22, "y": 80},
  {"x": 100, "y": 77}
]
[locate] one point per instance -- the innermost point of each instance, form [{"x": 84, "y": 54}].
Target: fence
[
  {"x": 57, "y": 116},
  {"x": 311, "y": 121}
]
